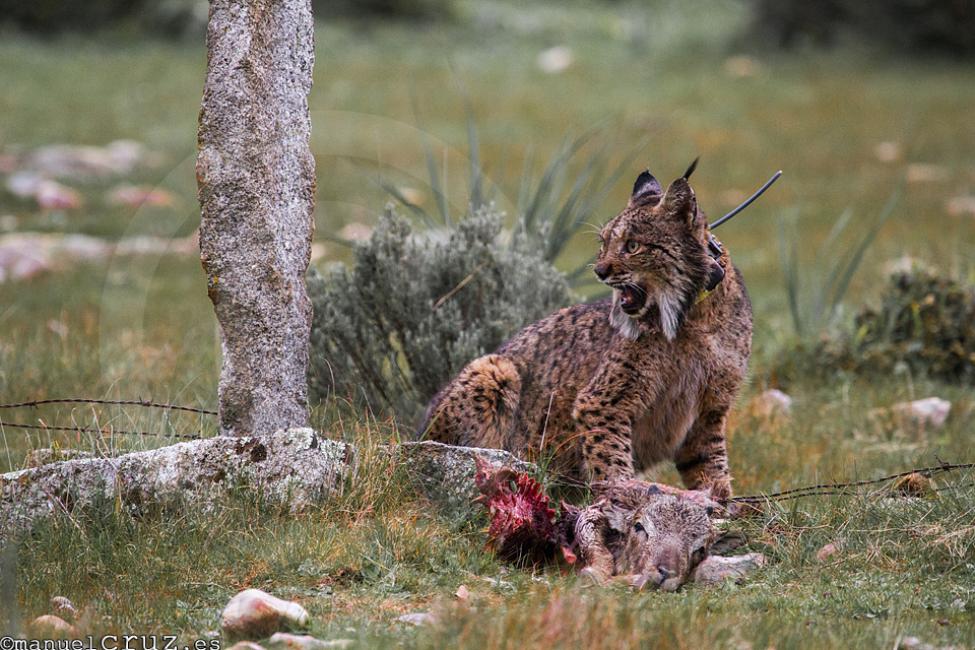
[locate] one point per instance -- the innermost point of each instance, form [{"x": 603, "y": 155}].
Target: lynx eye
[{"x": 632, "y": 246}]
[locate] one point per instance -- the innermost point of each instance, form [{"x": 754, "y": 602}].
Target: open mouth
[{"x": 631, "y": 299}]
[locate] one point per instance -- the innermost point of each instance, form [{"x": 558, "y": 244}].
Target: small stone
[
  {"x": 136, "y": 196},
  {"x": 827, "y": 551},
  {"x": 46, "y": 455},
  {"x": 960, "y": 206},
  {"x": 928, "y": 413},
  {"x": 285, "y": 641},
  {"x": 771, "y": 403},
  {"x": 52, "y": 627},
  {"x": 463, "y": 594},
  {"x": 417, "y": 618},
  {"x": 555, "y": 59},
  {"x": 413, "y": 195},
  {"x": 926, "y": 173},
  {"x": 64, "y": 608},
  {"x": 887, "y": 152},
  {"x": 741, "y": 66},
  {"x": 355, "y": 231},
  {"x": 254, "y": 614},
  {"x": 718, "y": 568},
  {"x": 246, "y": 645}
]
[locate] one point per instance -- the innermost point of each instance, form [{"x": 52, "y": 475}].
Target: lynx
[{"x": 613, "y": 387}]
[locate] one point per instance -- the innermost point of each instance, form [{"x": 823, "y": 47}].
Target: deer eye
[
  {"x": 632, "y": 246},
  {"x": 638, "y": 527}
]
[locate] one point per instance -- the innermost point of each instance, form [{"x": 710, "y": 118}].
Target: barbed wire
[
  {"x": 109, "y": 430},
  {"x": 110, "y": 402},
  {"x": 844, "y": 489},
  {"x": 821, "y": 489}
]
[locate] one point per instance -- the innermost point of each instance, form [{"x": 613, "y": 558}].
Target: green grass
[{"x": 645, "y": 72}]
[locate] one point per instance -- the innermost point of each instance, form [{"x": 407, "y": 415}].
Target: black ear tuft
[
  {"x": 690, "y": 170},
  {"x": 646, "y": 186}
]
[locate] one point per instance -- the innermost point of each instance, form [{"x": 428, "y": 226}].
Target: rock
[
  {"x": 24, "y": 255},
  {"x": 771, "y": 403},
  {"x": 64, "y": 608},
  {"x": 355, "y": 231},
  {"x": 555, "y": 59},
  {"x": 47, "y": 455},
  {"x": 718, "y": 568},
  {"x": 246, "y": 645},
  {"x": 887, "y": 152},
  {"x": 86, "y": 162},
  {"x": 295, "y": 467},
  {"x": 463, "y": 594},
  {"x": 741, "y": 66},
  {"x": 254, "y": 614},
  {"x": 960, "y": 206},
  {"x": 828, "y": 551},
  {"x": 285, "y": 641},
  {"x": 417, "y": 618},
  {"x": 926, "y": 173},
  {"x": 51, "y": 627},
  {"x": 445, "y": 473},
  {"x": 136, "y": 196},
  {"x": 256, "y": 178},
  {"x": 928, "y": 413},
  {"x": 47, "y": 193}
]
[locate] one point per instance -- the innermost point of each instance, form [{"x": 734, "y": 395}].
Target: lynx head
[
  {"x": 667, "y": 538},
  {"x": 654, "y": 254}
]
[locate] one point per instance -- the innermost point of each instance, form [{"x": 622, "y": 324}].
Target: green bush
[
  {"x": 415, "y": 307},
  {"x": 945, "y": 26},
  {"x": 924, "y": 322}
]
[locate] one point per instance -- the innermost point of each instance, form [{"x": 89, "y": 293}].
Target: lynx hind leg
[
  {"x": 478, "y": 407},
  {"x": 703, "y": 458}
]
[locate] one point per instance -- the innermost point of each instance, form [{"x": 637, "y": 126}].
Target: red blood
[{"x": 522, "y": 528}]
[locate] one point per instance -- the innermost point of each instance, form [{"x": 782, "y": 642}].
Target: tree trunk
[{"x": 256, "y": 179}]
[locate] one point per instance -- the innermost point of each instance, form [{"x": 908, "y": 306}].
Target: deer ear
[
  {"x": 727, "y": 542},
  {"x": 646, "y": 190}
]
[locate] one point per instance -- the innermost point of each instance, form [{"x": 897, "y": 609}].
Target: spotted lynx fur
[{"x": 616, "y": 386}]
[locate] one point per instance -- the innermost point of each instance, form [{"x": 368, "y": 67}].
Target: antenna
[{"x": 748, "y": 201}]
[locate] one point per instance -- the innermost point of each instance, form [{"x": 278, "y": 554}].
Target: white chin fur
[
  {"x": 629, "y": 326},
  {"x": 625, "y": 325},
  {"x": 669, "y": 306}
]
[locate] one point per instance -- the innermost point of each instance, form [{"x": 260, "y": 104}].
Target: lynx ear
[{"x": 646, "y": 190}]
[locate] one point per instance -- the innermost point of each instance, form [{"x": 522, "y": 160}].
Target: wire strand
[
  {"x": 111, "y": 402},
  {"x": 45, "y": 427}
]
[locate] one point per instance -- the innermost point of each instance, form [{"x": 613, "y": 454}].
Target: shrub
[
  {"x": 946, "y": 26},
  {"x": 924, "y": 322},
  {"x": 415, "y": 307}
]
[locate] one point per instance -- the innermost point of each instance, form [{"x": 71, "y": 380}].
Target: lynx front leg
[
  {"x": 703, "y": 458},
  {"x": 605, "y": 426}
]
